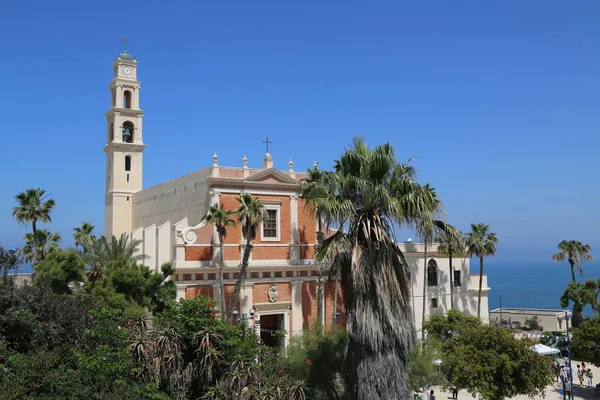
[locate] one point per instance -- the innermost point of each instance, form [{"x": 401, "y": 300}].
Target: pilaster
[
  {"x": 294, "y": 249},
  {"x": 296, "y": 307}
]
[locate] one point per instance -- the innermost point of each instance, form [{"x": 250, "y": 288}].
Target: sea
[
  {"x": 530, "y": 284},
  {"x": 522, "y": 284}
]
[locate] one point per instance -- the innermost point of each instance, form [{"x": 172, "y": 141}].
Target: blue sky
[{"x": 500, "y": 100}]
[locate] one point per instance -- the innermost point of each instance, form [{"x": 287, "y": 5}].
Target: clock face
[{"x": 127, "y": 70}]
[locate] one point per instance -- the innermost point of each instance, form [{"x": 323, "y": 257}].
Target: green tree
[
  {"x": 445, "y": 327},
  {"x": 585, "y": 339},
  {"x": 221, "y": 219},
  {"x": 250, "y": 213},
  {"x": 574, "y": 252},
  {"x": 481, "y": 243},
  {"x": 134, "y": 288},
  {"x": 33, "y": 206},
  {"x": 313, "y": 187},
  {"x": 370, "y": 193},
  {"x": 580, "y": 294},
  {"x": 83, "y": 234},
  {"x": 451, "y": 244},
  {"x": 59, "y": 270},
  {"x": 9, "y": 261},
  {"x": 423, "y": 371},
  {"x": 490, "y": 362},
  {"x": 318, "y": 358},
  {"x": 39, "y": 246},
  {"x": 97, "y": 254}
]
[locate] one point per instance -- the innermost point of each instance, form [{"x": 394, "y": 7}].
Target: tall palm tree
[
  {"x": 221, "y": 219},
  {"x": 313, "y": 187},
  {"x": 427, "y": 229},
  {"x": 574, "y": 252},
  {"x": 83, "y": 234},
  {"x": 40, "y": 245},
  {"x": 369, "y": 194},
  {"x": 99, "y": 253},
  {"x": 451, "y": 244},
  {"x": 481, "y": 243},
  {"x": 33, "y": 206},
  {"x": 250, "y": 213}
]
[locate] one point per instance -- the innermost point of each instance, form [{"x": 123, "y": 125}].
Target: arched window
[
  {"x": 111, "y": 133},
  {"x": 128, "y": 132},
  {"x": 127, "y": 99},
  {"x": 432, "y": 273},
  {"x": 127, "y": 163}
]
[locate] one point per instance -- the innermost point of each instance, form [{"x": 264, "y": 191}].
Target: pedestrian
[
  {"x": 580, "y": 375},
  {"x": 454, "y": 392},
  {"x": 590, "y": 376},
  {"x": 432, "y": 397},
  {"x": 567, "y": 391}
]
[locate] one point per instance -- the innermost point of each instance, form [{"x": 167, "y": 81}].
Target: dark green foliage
[
  {"x": 581, "y": 294},
  {"x": 585, "y": 340},
  {"x": 60, "y": 270},
  {"x": 133, "y": 287},
  {"x": 319, "y": 358},
  {"x": 443, "y": 328},
  {"x": 533, "y": 324},
  {"x": 9, "y": 262},
  {"x": 423, "y": 371},
  {"x": 488, "y": 360}
]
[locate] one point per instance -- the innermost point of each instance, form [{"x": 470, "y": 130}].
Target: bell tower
[{"x": 124, "y": 145}]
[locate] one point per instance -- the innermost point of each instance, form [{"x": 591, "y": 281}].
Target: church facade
[{"x": 279, "y": 292}]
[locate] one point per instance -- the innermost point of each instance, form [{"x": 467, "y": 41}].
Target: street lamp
[{"x": 243, "y": 319}]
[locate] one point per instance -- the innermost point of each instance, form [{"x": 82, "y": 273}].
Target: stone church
[{"x": 279, "y": 293}]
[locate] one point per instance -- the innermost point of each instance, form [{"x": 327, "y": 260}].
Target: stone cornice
[
  {"x": 124, "y": 111},
  {"x": 127, "y": 147},
  {"x": 233, "y": 183}
]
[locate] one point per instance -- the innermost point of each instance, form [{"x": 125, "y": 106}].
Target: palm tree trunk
[
  {"x": 572, "y": 270},
  {"x": 480, "y": 284},
  {"x": 238, "y": 284},
  {"x": 221, "y": 285},
  {"x": 320, "y": 281},
  {"x": 38, "y": 256},
  {"x": 424, "y": 291},
  {"x": 451, "y": 283},
  {"x": 335, "y": 296}
]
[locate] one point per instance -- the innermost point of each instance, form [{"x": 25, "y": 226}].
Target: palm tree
[
  {"x": 221, "y": 218},
  {"x": 39, "y": 246},
  {"x": 34, "y": 205},
  {"x": 480, "y": 243},
  {"x": 575, "y": 252},
  {"x": 83, "y": 234},
  {"x": 313, "y": 187},
  {"x": 427, "y": 229},
  {"x": 249, "y": 214},
  {"x": 369, "y": 194},
  {"x": 451, "y": 244},
  {"x": 99, "y": 253}
]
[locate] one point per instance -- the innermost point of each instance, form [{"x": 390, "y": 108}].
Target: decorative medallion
[{"x": 273, "y": 293}]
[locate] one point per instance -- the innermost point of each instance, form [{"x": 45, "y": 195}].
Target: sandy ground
[{"x": 551, "y": 393}]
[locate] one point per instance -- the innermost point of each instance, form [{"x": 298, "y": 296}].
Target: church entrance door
[{"x": 271, "y": 329}]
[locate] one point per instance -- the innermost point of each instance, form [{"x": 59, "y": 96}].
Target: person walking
[
  {"x": 590, "y": 376},
  {"x": 580, "y": 375},
  {"x": 432, "y": 397},
  {"x": 567, "y": 391},
  {"x": 454, "y": 392}
]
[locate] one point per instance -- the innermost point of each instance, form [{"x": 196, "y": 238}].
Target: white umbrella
[
  {"x": 437, "y": 362},
  {"x": 543, "y": 349}
]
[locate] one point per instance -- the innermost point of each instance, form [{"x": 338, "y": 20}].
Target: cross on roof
[
  {"x": 124, "y": 44},
  {"x": 267, "y": 142}
]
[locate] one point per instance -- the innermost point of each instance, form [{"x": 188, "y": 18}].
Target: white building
[{"x": 166, "y": 219}]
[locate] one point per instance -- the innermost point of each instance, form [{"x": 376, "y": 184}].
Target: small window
[
  {"x": 127, "y": 177},
  {"x": 270, "y": 224},
  {"x": 434, "y": 303},
  {"x": 211, "y": 277},
  {"x": 253, "y": 275},
  {"x": 456, "y": 280},
  {"x": 127, "y": 99},
  {"x": 225, "y": 276},
  {"x": 278, "y": 274},
  {"x": 266, "y": 274},
  {"x": 303, "y": 273},
  {"x": 314, "y": 273},
  {"x": 289, "y": 274},
  {"x": 199, "y": 277},
  {"x": 187, "y": 277},
  {"x": 127, "y": 163},
  {"x": 432, "y": 273}
]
